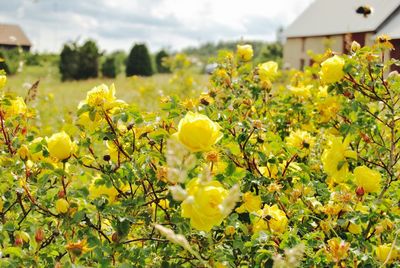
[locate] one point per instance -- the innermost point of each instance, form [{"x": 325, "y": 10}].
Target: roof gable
[
  {"x": 330, "y": 17},
  {"x": 11, "y": 34}
]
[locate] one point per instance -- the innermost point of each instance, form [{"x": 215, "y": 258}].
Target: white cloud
[{"x": 159, "y": 23}]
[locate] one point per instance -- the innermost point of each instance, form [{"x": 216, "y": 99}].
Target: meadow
[{"x": 55, "y": 98}]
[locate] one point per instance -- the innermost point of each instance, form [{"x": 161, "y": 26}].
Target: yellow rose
[
  {"x": 3, "y": 81},
  {"x": 60, "y": 146},
  {"x": 202, "y": 204},
  {"x": 197, "y": 132},
  {"x": 332, "y": 70},
  {"x": 17, "y": 107},
  {"x": 301, "y": 91},
  {"x": 301, "y": 140},
  {"x": 354, "y": 228},
  {"x": 23, "y": 152},
  {"x": 96, "y": 191},
  {"x": 267, "y": 71},
  {"x": 245, "y": 52},
  {"x": 368, "y": 179},
  {"x": 383, "y": 251},
  {"x": 102, "y": 97},
  {"x": 62, "y": 206},
  {"x": 251, "y": 203},
  {"x": 270, "y": 218},
  {"x": 334, "y": 158}
]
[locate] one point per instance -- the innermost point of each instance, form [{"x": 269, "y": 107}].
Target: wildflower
[
  {"x": 334, "y": 158},
  {"x": 60, "y": 146},
  {"x": 202, "y": 205},
  {"x": 197, "y": 132},
  {"x": 332, "y": 70},
  {"x": 386, "y": 251},
  {"x": 251, "y": 203},
  {"x": 270, "y": 218},
  {"x": 301, "y": 140},
  {"x": 338, "y": 249},
  {"x": 267, "y": 71},
  {"x": 245, "y": 52},
  {"x": 369, "y": 180}
]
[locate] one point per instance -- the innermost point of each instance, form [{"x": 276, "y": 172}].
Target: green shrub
[
  {"x": 161, "y": 67},
  {"x": 109, "y": 67},
  {"x": 139, "y": 62}
]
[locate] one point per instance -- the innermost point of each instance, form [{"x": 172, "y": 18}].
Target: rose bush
[{"x": 299, "y": 172}]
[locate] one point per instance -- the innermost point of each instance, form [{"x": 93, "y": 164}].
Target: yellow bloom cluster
[
  {"x": 383, "y": 251},
  {"x": 202, "y": 206},
  {"x": 267, "y": 71}
]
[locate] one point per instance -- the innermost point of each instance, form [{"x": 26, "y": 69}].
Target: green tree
[
  {"x": 109, "y": 68},
  {"x": 88, "y": 60},
  {"x": 161, "y": 67},
  {"x": 69, "y": 62},
  {"x": 139, "y": 62}
]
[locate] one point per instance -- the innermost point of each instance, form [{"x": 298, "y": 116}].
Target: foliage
[
  {"x": 139, "y": 61},
  {"x": 79, "y": 62},
  {"x": 109, "y": 68},
  {"x": 11, "y": 60},
  {"x": 252, "y": 173},
  {"x": 161, "y": 56}
]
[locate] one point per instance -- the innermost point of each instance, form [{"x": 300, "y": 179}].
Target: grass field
[{"x": 55, "y": 99}]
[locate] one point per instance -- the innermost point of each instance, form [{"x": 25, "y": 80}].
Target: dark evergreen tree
[
  {"x": 69, "y": 62},
  {"x": 161, "y": 68},
  {"x": 138, "y": 61},
  {"x": 89, "y": 60},
  {"x": 109, "y": 67}
]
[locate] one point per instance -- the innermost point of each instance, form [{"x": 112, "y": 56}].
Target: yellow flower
[
  {"x": 1, "y": 204},
  {"x": 100, "y": 95},
  {"x": 197, "y": 132},
  {"x": 383, "y": 41},
  {"x": 245, "y": 52},
  {"x": 96, "y": 191},
  {"x": 163, "y": 203},
  {"x": 354, "y": 228},
  {"x": 267, "y": 71},
  {"x": 62, "y": 206},
  {"x": 328, "y": 108},
  {"x": 251, "y": 203},
  {"x": 230, "y": 230},
  {"x": 301, "y": 140},
  {"x": 202, "y": 205},
  {"x": 383, "y": 251},
  {"x": 23, "y": 152},
  {"x": 17, "y": 107},
  {"x": 332, "y": 70},
  {"x": 368, "y": 179},
  {"x": 338, "y": 249},
  {"x": 60, "y": 146},
  {"x": 78, "y": 248},
  {"x": 270, "y": 218},
  {"x": 3, "y": 81},
  {"x": 334, "y": 158},
  {"x": 301, "y": 91}
]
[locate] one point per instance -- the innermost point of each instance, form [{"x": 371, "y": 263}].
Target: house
[
  {"x": 12, "y": 36},
  {"x": 335, "y": 24}
]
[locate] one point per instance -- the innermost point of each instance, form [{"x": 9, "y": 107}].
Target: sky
[{"x": 168, "y": 24}]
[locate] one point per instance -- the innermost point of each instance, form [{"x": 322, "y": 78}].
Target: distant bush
[
  {"x": 79, "y": 62},
  {"x": 10, "y": 60},
  {"x": 160, "y": 64},
  {"x": 109, "y": 68},
  {"x": 139, "y": 61}
]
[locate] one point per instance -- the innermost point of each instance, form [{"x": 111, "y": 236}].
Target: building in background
[
  {"x": 335, "y": 24},
  {"x": 12, "y": 36}
]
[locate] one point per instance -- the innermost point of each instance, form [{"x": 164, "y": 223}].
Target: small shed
[{"x": 12, "y": 36}]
